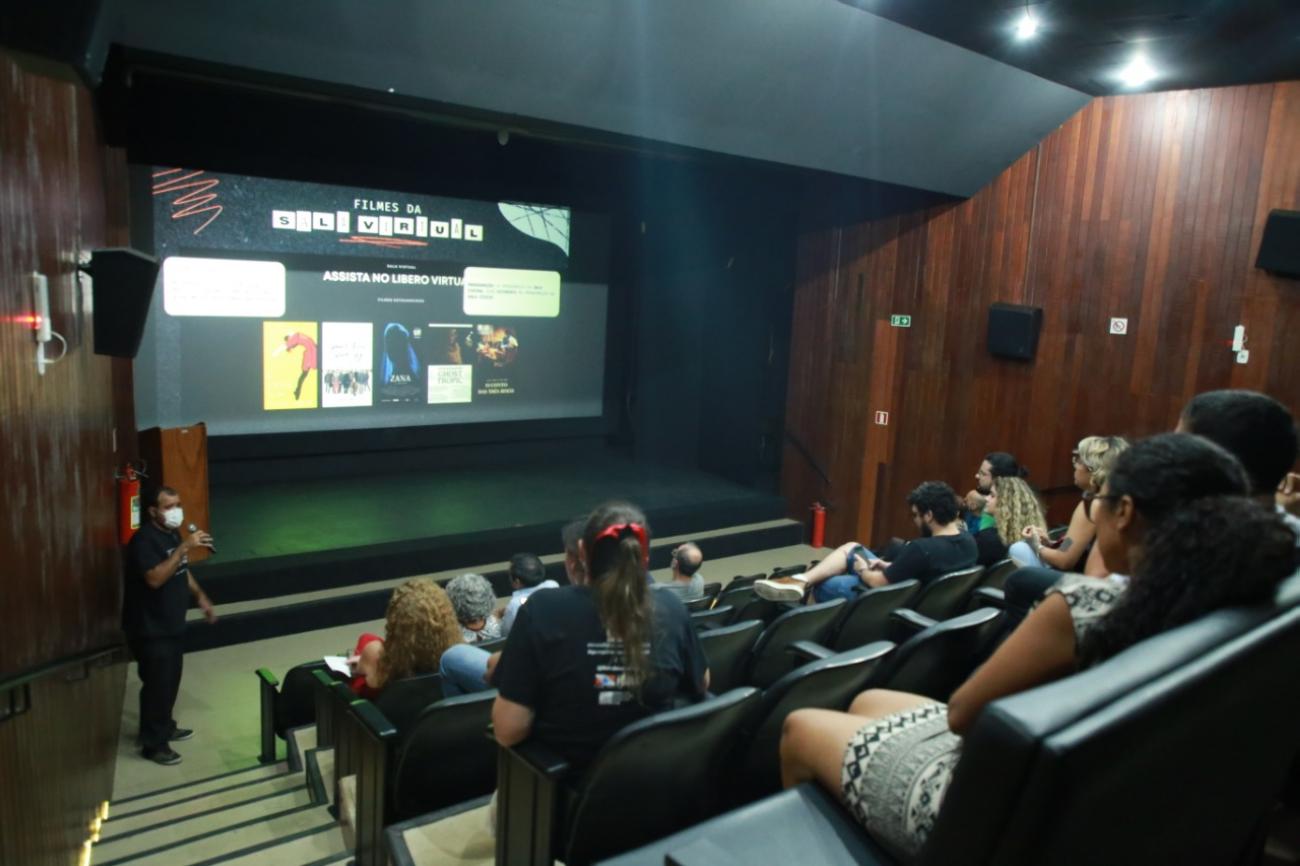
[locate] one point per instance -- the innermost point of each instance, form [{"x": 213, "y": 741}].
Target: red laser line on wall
[
  {"x": 383, "y": 242},
  {"x": 199, "y": 200}
]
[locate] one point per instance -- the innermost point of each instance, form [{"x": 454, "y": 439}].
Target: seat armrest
[
  {"x": 267, "y": 693},
  {"x": 905, "y": 622},
  {"x": 987, "y": 596},
  {"x": 540, "y": 759},
  {"x": 910, "y": 618},
  {"x": 807, "y": 651},
  {"x": 531, "y": 800}
]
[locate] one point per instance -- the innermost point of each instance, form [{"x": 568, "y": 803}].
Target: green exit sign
[{"x": 901, "y": 321}]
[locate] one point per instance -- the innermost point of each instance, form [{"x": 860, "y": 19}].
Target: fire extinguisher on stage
[
  {"x": 128, "y": 502},
  {"x": 818, "y": 525}
]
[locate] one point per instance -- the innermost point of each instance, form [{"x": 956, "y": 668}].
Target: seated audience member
[
  {"x": 1015, "y": 507},
  {"x": 419, "y": 626},
  {"x": 998, "y": 464},
  {"x": 1092, "y": 463},
  {"x": 1091, "y": 460},
  {"x": 583, "y": 661},
  {"x": 687, "y": 581},
  {"x": 473, "y": 599},
  {"x": 527, "y": 576},
  {"x": 467, "y": 668},
  {"x": 1171, "y": 515},
  {"x": 944, "y": 546},
  {"x": 1257, "y": 430}
]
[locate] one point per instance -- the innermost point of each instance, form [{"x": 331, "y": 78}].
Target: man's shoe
[
  {"x": 180, "y": 734},
  {"x": 164, "y": 756},
  {"x": 790, "y": 588}
]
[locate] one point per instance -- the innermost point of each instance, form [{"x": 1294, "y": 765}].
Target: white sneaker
[{"x": 791, "y": 588}]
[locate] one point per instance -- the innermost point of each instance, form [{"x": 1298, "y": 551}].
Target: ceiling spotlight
[
  {"x": 1138, "y": 72},
  {"x": 1026, "y": 25}
]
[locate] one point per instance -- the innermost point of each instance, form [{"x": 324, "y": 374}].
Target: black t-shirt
[
  {"x": 148, "y": 612},
  {"x": 990, "y": 546},
  {"x": 927, "y": 558},
  {"x": 559, "y": 662}
]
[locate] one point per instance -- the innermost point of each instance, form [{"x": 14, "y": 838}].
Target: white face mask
[{"x": 173, "y": 517}]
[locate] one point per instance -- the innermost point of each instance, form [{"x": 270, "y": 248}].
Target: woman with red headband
[{"x": 584, "y": 660}]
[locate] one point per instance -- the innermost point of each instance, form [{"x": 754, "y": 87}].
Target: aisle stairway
[{"x": 264, "y": 814}]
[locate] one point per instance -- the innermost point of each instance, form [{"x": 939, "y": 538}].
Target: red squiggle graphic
[
  {"x": 383, "y": 242},
  {"x": 199, "y": 200}
]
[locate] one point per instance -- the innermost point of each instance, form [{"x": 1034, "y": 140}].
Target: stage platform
[{"x": 327, "y": 539}]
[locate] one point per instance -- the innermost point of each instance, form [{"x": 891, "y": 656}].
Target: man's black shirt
[{"x": 157, "y": 612}]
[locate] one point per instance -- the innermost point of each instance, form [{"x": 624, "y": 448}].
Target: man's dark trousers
[{"x": 159, "y": 660}]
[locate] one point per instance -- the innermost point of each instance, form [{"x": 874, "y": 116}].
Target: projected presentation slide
[{"x": 285, "y": 306}]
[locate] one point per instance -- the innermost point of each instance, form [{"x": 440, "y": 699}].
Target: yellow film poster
[{"x": 290, "y": 367}]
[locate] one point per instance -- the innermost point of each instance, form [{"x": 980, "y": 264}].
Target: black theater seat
[
  {"x": 707, "y": 619},
  {"x": 727, "y": 651},
  {"x": 946, "y": 595},
  {"x": 654, "y": 777},
  {"x": 444, "y": 758},
  {"x": 866, "y": 617},
  {"x": 290, "y": 704},
  {"x": 771, "y": 658},
  {"x": 995, "y": 575},
  {"x": 829, "y": 683},
  {"x": 403, "y": 700},
  {"x": 1181, "y": 735}
]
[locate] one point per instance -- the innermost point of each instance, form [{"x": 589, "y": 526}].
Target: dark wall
[
  {"x": 1147, "y": 207},
  {"x": 61, "y": 191},
  {"x": 701, "y": 271}
]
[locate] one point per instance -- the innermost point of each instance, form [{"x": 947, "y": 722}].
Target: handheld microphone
[{"x": 193, "y": 528}]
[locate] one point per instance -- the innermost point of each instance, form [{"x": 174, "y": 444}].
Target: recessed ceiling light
[
  {"x": 1026, "y": 25},
  {"x": 1138, "y": 72}
]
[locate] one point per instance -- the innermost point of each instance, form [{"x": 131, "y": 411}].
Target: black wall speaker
[
  {"x": 1013, "y": 331},
  {"x": 1279, "y": 249},
  {"x": 123, "y": 287}
]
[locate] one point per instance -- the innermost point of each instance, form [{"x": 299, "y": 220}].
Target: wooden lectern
[{"x": 178, "y": 458}]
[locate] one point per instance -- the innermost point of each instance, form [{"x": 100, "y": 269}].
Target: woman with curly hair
[
  {"x": 419, "y": 626},
  {"x": 1014, "y": 507},
  {"x": 1173, "y": 514}
]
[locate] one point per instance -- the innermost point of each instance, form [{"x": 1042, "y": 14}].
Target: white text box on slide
[
  {"x": 511, "y": 292},
  {"x": 223, "y": 287}
]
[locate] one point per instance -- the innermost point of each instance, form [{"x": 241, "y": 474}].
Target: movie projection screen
[{"x": 285, "y": 307}]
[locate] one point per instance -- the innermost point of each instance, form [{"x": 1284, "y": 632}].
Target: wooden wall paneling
[
  {"x": 57, "y": 763},
  {"x": 1148, "y": 207},
  {"x": 62, "y": 579},
  {"x": 61, "y": 192}
]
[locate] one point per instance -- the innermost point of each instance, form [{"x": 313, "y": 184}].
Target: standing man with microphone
[{"x": 158, "y": 588}]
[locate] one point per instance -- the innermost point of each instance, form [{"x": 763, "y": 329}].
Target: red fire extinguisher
[
  {"x": 128, "y": 503},
  {"x": 818, "y": 525}
]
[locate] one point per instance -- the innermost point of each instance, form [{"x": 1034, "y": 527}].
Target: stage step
[
  {"x": 320, "y": 846},
  {"x": 265, "y": 814},
  {"x": 236, "y": 780}
]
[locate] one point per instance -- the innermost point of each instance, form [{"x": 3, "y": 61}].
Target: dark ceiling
[{"x": 1083, "y": 43}]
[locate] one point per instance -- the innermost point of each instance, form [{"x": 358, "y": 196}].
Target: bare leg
[
  {"x": 813, "y": 743},
  {"x": 835, "y": 563},
  {"x": 878, "y": 703}
]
